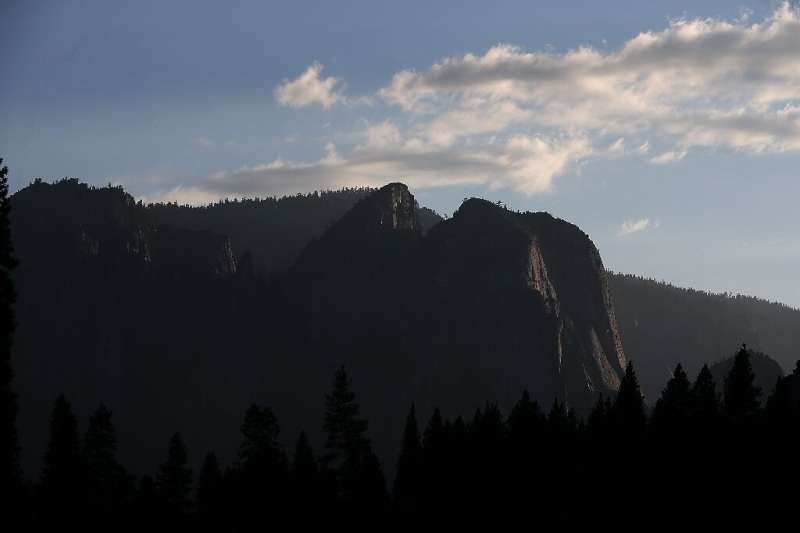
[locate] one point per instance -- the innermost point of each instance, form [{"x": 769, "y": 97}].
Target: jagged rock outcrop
[
  {"x": 485, "y": 305},
  {"x": 545, "y": 270},
  {"x": 169, "y": 325}
]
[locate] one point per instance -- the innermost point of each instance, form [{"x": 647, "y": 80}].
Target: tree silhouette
[
  {"x": 628, "y": 409},
  {"x": 261, "y": 477},
  {"x": 740, "y": 396},
  {"x": 408, "y": 479},
  {"x": 63, "y": 473},
  {"x": 308, "y": 489},
  {"x": 9, "y": 466},
  {"x": 705, "y": 399},
  {"x": 107, "y": 482},
  {"x": 346, "y": 444},
  {"x": 209, "y": 492},
  {"x": 673, "y": 408},
  {"x": 174, "y": 481}
]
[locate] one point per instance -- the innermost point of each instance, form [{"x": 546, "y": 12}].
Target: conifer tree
[
  {"x": 524, "y": 423},
  {"x": 705, "y": 399},
  {"x": 9, "y": 465},
  {"x": 174, "y": 481},
  {"x": 108, "y": 483},
  {"x": 209, "y": 488},
  {"x": 62, "y": 476},
  {"x": 262, "y": 472},
  {"x": 672, "y": 409},
  {"x": 629, "y": 416},
  {"x": 347, "y": 445},
  {"x": 304, "y": 465},
  {"x": 740, "y": 395},
  {"x": 408, "y": 480},
  {"x": 259, "y": 448}
]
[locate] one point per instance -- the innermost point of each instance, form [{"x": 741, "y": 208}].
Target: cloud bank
[{"x": 519, "y": 119}]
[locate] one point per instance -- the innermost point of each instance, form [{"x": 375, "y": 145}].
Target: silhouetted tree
[
  {"x": 9, "y": 466},
  {"x": 705, "y": 399},
  {"x": 408, "y": 479},
  {"x": 209, "y": 489},
  {"x": 261, "y": 477},
  {"x": 174, "y": 481},
  {"x": 347, "y": 445},
  {"x": 260, "y": 430},
  {"x": 629, "y": 415},
  {"x": 740, "y": 396},
  {"x": 525, "y": 424},
  {"x": 107, "y": 482},
  {"x": 672, "y": 409},
  {"x": 62, "y": 487},
  {"x": 308, "y": 487}
]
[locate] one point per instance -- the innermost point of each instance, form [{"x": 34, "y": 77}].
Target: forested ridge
[
  {"x": 154, "y": 314},
  {"x": 662, "y": 325}
]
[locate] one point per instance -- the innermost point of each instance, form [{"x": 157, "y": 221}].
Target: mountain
[
  {"x": 662, "y": 325},
  {"x": 167, "y": 315},
  {"x": 486, "y": 304}
]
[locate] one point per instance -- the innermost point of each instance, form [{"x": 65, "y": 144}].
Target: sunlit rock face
[
  {"x": 543, "y": 275},
  {"x": 158, "y": 314},
  {"x": 485, "y": 305}
]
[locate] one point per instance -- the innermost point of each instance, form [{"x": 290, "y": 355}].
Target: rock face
[
  {"x": 487, "y": 304},
  {"x": 541, "y": 275},
  {"x": 170, "y": 328}
]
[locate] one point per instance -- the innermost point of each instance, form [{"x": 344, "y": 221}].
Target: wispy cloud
[
  {"x": 518, "y": 119},
  {"x": 630, "y": 226},
  {"x": 669, "y": 157}
]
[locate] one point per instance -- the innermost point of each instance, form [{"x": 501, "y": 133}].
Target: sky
[{"x": 668, "y": 131}]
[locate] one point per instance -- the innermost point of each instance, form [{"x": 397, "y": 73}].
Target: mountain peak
[{"x": 395, "y": 207}]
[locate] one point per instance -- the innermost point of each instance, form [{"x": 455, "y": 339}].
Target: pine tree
[
  {"x": 209, "y": 487},
  {"x": 599, "y": 424},
  {"x": 740, "y": 395},
  {"x": 9, "y": 448},
  {"x": 524, "y": 424},
  {"x": 672, "y": 409},
  {"x": 261, "y": 477},
  {"x": 304, "y": 466},
  {"x": 63, "y": 474},
  {"x": 408, "y": 480},
  {"x": 259, "y": 448},
  {"x": 108, "y": 483},
  {"x": 705, "y": 404},
  {"x": 629, "y": 416},
  {"x": 174, "y": 481},
  {"x": 346, "y": 445}
]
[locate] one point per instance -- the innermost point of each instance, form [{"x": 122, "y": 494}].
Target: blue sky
[{"x": 669, "y": 131}]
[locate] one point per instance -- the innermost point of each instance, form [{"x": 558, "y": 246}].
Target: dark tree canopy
[
  {"x": 629, "y": 406},
  {"x": 740, "y": 395},
  {"x": 174, "y": 482},
  {"x": 9, "y": 467},
  {"x": 408, "y": 479}
]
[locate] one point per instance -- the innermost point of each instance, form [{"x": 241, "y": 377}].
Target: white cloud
[
  {"x": 669, "y": 157},
  {"x": 630, "y": 226},
  {"x": 519, "y": 119},
  {"x": 702, "y": 82},
  {"x": 528, "y": 163},
  {"x": 309, "y": 89}
]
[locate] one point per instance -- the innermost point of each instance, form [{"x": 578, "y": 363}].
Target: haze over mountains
[{"x": 241, "y": 301}]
